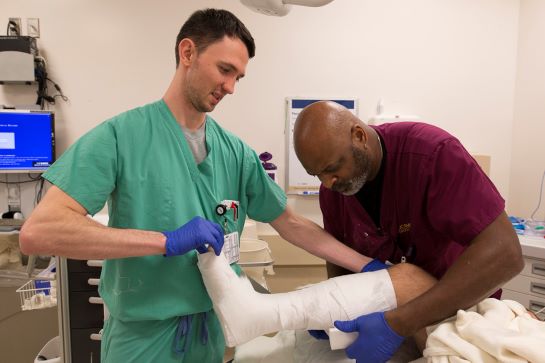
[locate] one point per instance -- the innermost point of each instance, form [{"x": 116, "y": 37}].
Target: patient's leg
[{"x": 246, "y": 314}]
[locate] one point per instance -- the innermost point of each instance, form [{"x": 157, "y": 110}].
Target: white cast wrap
[{"x": 245, "y": 314}]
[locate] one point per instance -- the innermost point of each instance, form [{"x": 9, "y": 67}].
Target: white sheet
[
  {"x": 298, "y": 346},
  {"x": 493, "y": 331}
]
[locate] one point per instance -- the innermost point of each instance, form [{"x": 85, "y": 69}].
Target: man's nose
[{"x": 229, "y": 85}]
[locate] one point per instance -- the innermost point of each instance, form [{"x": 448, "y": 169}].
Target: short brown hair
[{"x": 207, "y": 26}]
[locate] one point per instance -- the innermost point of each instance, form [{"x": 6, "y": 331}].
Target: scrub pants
[{"x": 191, "y": 338}]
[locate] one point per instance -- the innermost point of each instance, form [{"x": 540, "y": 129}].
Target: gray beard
[
  {"x": 355, "y": 184},
  {"x": 352, "y": 186}
]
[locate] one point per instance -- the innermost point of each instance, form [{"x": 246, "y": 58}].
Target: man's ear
[
  {"x": 187, "y": 51},
  {"x": 359, "y": 136}
]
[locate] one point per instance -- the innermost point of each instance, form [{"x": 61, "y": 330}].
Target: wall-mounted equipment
[
  {"x": 280, "y": 7},
  {"x": 27, "y": 141},
  {"x": 17, "y": 59}
]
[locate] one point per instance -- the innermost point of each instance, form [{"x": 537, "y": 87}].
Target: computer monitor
[{"x": 27, "y": 141}]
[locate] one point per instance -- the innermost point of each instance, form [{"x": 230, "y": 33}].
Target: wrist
[
  {"x": 162, "y": 243},
  {"x": 374, "y": 265}
]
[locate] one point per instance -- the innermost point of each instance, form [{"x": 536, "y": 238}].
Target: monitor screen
[{"x": 27, "y": 141}]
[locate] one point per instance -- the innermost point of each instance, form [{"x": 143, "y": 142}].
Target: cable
[
  {"x": 539, "y": 200},
  {"x": 38, "y": 191},
  {"x": 32, "y": 180},
  {"x": 59, "y": 90},
  {"x": 42, "y": 78}
]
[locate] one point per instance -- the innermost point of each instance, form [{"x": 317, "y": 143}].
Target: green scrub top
[{"x": 139, "y": 162}]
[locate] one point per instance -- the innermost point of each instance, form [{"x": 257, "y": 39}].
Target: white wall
[
  {"x": 452, "y": 62},
  {"x": 528, "y": 161}
]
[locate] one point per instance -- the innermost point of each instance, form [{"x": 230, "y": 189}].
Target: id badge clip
[{"x": 231, "y": 241}]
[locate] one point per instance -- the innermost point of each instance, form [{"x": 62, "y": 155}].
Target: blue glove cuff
[
  {"x": 374, "y": 265},
  {"x": 168, "y": 247},
  {"x": 395, "y": 336}
]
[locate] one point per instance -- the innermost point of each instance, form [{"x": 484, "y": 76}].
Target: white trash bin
[{"x": 51, "y": 352}]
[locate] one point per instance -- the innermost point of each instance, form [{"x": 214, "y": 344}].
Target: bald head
[
  {"x": 329, "y": 139},
  {"x": 322, "y": 120},
  {"x": 320, "y": 127}
]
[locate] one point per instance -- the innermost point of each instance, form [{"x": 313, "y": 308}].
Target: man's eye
[{"x": 331, "y": 169}]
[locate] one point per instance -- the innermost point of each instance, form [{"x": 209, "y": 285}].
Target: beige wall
[
  {"x": 451, "y": 62},
  {"x": 528, "y": 161}
]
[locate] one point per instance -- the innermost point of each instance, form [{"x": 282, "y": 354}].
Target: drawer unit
[
  {"x": 528, "y": 288},
  {"x": 83, "y": 312},
  {"x": 83, "y": 281},
  {"x": 85, "y": 349},
  {"x": 527, "y": 285},
  {"x": 85, "y": 309},
  {"x": 534, "y": 268},
  {"x": 530, "y": 302}
]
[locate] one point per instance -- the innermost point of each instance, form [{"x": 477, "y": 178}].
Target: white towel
[{"x": 492, "y": 331}]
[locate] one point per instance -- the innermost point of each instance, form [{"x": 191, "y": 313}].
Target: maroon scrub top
[{"x": 435, "y": 200}]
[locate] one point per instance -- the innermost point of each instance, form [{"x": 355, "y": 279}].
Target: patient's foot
[{"x": 243, "y": 313}]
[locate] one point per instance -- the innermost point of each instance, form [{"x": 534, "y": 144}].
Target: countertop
[{"x": 532, "y": 246}]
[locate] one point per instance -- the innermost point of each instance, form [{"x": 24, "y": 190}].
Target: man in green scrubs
[{"x": 163, "y": 168}]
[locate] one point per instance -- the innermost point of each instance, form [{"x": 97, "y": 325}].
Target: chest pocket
[{"x": 229, "y": 219}]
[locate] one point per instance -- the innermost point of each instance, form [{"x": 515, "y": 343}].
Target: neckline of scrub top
[{"x": 186, "y": 151}]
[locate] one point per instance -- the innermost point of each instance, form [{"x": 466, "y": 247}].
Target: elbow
[
  {"x": 513, "y": 260},
  {"x": 519, "y": 263},
  {"x": 28, "y": 240}
]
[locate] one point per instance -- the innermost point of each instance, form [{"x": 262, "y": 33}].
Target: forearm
[
  {"x": 491, "y": 260},
  {"x": 59, "y": 226},
  {"x": 309, "y": 236},
  {"x": 83, "y": 238},
  {"x": 80, "y": 237}
]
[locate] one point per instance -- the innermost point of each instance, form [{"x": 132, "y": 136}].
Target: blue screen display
[{"x": 27, "y": 141}]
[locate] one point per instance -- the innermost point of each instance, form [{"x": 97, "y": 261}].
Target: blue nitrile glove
[
  {"x": 374, "y": 265},
  {"x": 376, "y": 342},
  {"x": 195, "y": 234},
  {"x": 319, "y": 334}
]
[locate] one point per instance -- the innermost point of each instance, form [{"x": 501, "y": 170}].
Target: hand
[
  {"x": 374, "y": 265},
  {"x": 319, "y": 334},
  {"x": 376, "y": 342},
  {"x": 198, "y": 234}
]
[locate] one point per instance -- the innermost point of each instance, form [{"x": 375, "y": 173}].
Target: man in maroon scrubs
[{"x": 407, "y": 192}]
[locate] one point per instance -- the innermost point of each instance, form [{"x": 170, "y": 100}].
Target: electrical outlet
[
  {"x": 14, "y": 27},
  {"x": 33, "y": 27}
]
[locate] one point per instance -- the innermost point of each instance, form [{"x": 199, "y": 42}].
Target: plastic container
[
  {"x": 253, "y": 250},
  {"x": 250, "y": 230},
  {"x": 535, "y": 228},
  {"x": 50, "y": 353},
  {"x": 518, "y": 224},
  {"x": 255, "y": 259},
  {"x": 269, "y": 167}
]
